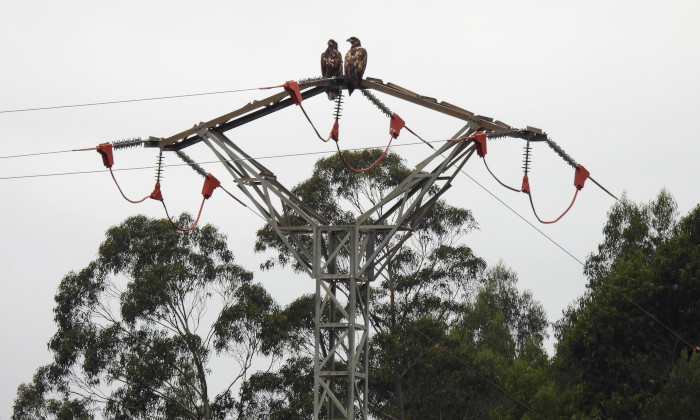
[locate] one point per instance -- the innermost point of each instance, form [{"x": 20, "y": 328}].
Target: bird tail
[
  {"x": 351, "y": 87},
  {"x": 332, "y": 95}
]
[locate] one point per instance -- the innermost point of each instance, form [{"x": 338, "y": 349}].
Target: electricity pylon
[{"x": 342, "y": 259}]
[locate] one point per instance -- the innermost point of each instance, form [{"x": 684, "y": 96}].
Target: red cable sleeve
[
  {"x": 459, "y": 138},
  {"x": 421, "y": 138},
  {"x": 270, "y": 87},
  {"x": 494, "y": 176},
  {"x": 603, "y": 188},
  {"x": 194, "y": 225},
  {"x": 313, "y": 126},
  {"x": 233, "y": 196},
  {"x": 122, "y": 192},
  {"x": 557, "y": 219},
  {"x": 347, "y": 165}
]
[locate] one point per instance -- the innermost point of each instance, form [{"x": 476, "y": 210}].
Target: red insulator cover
[
  {"x": 210, "y": 184},
  {"x": 480, "y": 140},
  {"x": 580, "y": 176},
  {"x": 292, "y": 88},
  {"x": 395, "y": 125},
  {"x": 335, "y": 131},
  {"x": 156, "y": 194},
  {"x": 526, "y": 185},
  {"x": 105, "y": 150}
]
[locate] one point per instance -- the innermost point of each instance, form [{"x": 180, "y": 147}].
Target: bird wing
[
  {"x": 337, "y": 66},
  {"x": 360, "y": 62},
  {"x": 324, "y": 64}
]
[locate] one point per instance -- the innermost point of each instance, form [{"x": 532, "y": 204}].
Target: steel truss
[{"x": 342, "y": 259}]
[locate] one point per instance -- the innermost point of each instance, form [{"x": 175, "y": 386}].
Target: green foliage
[
  {"x": 488, "y": 362},
  {"x": 138, "y": 327},
  {"x": 283, "y": 395},
  {"x": 619, "y": 344},
  {"x": 679, "y": 396}
]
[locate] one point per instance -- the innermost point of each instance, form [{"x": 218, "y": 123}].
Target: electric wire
[
  {"x": 124, "y": 101},
  {"x": 521, "y": 217},
  {"x": 122, "y": 192},
  {"x": 324, "y": 152},
  {"x": 558, "y": 218},
  {"x": 359, "y": 171},
  {"x": 36, "y": 154},
  {"x": 496, "y": 178},
  {"x": 176, "y": 226}
]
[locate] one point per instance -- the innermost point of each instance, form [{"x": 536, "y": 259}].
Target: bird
[
  {"x": 331, "y": 64},
  {"x": 355, "y": 64}
]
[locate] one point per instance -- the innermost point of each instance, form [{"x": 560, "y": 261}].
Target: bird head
[
  {"x": 354, "y": 42},
  {"x": 332, "y": 44}
]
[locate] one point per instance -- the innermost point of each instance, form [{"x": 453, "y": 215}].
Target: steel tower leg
[{"x": 341, "y": 324}]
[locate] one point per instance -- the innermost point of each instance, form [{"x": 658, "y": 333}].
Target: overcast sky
[{"x": 615, "y": 83}]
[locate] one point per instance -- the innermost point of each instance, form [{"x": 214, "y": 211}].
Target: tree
[
  {"x": 139, "y": 327},
  {"x": 619, "y": 345}
]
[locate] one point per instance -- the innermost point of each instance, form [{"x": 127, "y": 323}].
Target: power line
[
  {"x": 35, "y": 154},
  {"x": 137, "y": 168},
  {"x": 522, "y": 218},
  {"x": 124, "y": 101},
  {"x": 183, "y": 164}
]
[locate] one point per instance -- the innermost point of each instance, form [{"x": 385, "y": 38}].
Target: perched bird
[
  {"x": 355, "y": 64},
  {"x": 331, "y": 64}
]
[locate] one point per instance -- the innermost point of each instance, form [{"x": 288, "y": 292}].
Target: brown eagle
[
  {"x": 331, "y": 64},
  {"x": 355, "y": 64}
]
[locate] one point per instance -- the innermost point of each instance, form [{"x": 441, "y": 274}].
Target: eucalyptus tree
[{"x": 139, "y": 328}]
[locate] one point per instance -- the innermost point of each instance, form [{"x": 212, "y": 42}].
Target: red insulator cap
[
  {"x": 210, "y": 184},
  {"x": 480, "y": 140},
  {"x": 156, "y": 194},
  {"x": 105, "y": 150},
  {"x": 395, "y": 125},
  {"x": 526, "y": 185},
  {"x": 580, "y": 176},
  {"x": 292, "y": 88},
  {"x": 335, "y": 131}
]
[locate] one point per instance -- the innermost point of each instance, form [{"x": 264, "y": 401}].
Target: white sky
[{"x": 614, "y": 83}]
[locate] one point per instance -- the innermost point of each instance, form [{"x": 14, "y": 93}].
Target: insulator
[
  {"x": 558, "y": 150},
  {"x": 527, "y": 159},
  {"x": 309, "y": 81},
  {"x": 123, "y": 144},
  {"x": 159, "y": 166},
  {"x": 377, "y": 103},
  {"x": 191, "y": 163},
  {"x": 514, "y": 132},
  {"x": 338, "y": 106}
]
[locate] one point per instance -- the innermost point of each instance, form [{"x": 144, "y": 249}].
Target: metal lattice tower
[{"x": 342, "y": 259}]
